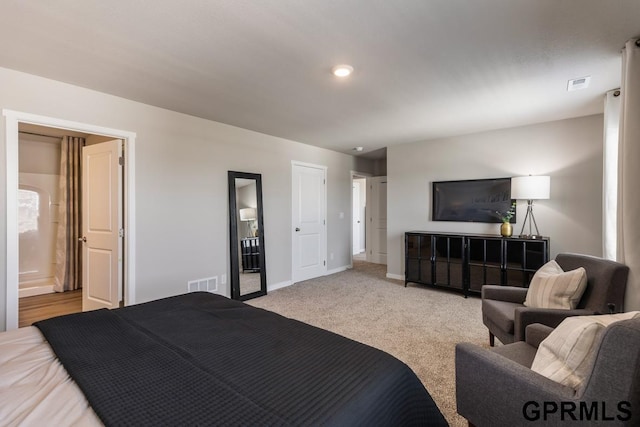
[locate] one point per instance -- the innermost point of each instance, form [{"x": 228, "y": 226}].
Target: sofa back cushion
[
  {"x": 606, "y": 280},
  {"x": 552, "y": 287},
  {"x": 566, "y": 355}
]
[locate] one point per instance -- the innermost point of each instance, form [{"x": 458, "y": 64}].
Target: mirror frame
[{"x": 233, "y": 237}]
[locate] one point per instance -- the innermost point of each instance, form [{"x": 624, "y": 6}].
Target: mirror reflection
[{"x": 248, "y": 275}]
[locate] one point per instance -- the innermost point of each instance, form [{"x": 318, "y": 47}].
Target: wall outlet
[
  {"x": 223, "y": 279},
  {"x": 331, "y": 255}
]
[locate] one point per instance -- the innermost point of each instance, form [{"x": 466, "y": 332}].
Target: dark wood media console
[{"x": 466, "y": 262}]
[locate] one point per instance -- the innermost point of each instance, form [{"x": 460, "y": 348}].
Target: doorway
[
  {"x": 358, "y": 213},
  {"x": 13, "y": 122}
]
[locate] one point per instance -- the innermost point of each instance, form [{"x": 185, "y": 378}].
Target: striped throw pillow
[
  {"x": 551, "y": 287},
  {"x": 566, "y": 355}
]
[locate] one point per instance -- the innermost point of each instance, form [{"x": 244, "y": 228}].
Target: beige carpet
[{"x": 418, "y": 325}]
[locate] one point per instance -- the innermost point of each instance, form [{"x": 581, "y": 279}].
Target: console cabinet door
[
  {"x": 426, "y": 259},
  {"x": 412, "y": 253},
  {"x": 484, "y": 257},
  {"x": 522, "y": 258},
  {"x": 418, "y": 258},
  {"x": 449, "y": 261}
]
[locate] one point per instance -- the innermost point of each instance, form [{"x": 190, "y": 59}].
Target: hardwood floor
[{"x": 40, "y": 307}]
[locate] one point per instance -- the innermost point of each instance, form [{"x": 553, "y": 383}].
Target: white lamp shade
[
  {"x": 530, "y": 187},
  {"x": 247, "y": 214}
]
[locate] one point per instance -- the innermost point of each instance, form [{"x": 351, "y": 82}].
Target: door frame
[
  {"x": 12, "y": 121},
  {"x": 354, "y": 175},
  {"x": 295, "y": 163}
]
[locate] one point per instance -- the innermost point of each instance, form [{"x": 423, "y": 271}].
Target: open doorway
[
  {"x": 39, "y": 171},
  {"x": 53, "y": 194},
  {"x": 358, "y": 216},
  {"x": 38, "y": 206},
  {"x": 125, "y": 255},
  {"x": 359, "y": 197}
]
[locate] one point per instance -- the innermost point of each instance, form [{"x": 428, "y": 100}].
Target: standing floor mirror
[{"x": 246, "y": 236}]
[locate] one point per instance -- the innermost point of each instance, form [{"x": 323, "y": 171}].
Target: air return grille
[{"x": 209, "y": 284}]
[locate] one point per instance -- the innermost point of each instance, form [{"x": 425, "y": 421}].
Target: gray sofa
[
  {"x": 504, "y": 314},
  {"x": 496, "y": 387}
]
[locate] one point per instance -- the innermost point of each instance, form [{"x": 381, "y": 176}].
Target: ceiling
[{"x": 424, "y": 69}]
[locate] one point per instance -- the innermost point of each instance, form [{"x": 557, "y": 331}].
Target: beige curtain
[
  {"x": 610, "y": 176},
  {"x": 68, "y": 249},
  {"x": 629, "y": 172}
]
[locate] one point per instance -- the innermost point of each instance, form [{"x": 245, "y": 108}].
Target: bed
[{"x": 201, "y": 359}]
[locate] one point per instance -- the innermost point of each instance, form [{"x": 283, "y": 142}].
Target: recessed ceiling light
[
  {"x": 342, "y": 70},
  {"x": 358, "y": 149}
]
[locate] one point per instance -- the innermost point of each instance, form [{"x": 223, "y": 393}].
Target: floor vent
[{"x": 209, "y": 284}]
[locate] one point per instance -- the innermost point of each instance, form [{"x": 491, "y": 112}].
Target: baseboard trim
[
  {"x": 338, "y": 270},
  {"x": 395, "y": 276},
  {"x": 35, "y": 290},
  {"x": 280, "y": 285},
  {"x": 286, "y": 283}
]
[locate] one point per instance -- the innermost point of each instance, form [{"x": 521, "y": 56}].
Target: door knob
[
  {"x": 297, "y": 228},
  {"x": 82, "y": 239}
]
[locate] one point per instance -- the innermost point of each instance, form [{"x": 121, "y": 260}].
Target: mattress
[{"x": 35, "y": 389}]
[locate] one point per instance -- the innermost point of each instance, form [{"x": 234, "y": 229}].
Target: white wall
[
  {"x": 570, "y": 151},
  {"x": 181, "y": 184}
]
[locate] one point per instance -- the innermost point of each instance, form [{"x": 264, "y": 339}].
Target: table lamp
[{"x": 530, "y": 188}]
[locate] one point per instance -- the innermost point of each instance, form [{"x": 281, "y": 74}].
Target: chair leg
[{"x": 492, "y": 340}]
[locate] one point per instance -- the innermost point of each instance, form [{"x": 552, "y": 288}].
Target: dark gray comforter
[{"x": 202, "y": 359}]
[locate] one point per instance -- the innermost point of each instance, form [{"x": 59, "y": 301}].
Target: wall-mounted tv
[{"x": 476, "y": 200}]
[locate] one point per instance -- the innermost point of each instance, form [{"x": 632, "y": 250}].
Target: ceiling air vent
[{"x": 579, "y": 83}]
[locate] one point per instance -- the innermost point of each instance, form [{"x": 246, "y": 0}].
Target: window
[{"x": 28, "y": 210}]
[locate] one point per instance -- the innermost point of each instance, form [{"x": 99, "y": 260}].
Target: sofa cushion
[
  {"x": 501, "y": 313},
  {"x": 566, "y": 355},
  {"x": 551, "y": 287},
  {"x": 520, "y": 352}
]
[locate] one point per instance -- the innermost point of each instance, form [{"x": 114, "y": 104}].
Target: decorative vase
[{"x": 506, "y": 229}]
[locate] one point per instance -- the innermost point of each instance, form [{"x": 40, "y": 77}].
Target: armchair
[
  {"x": 506, "y": 317},
  {"x": 496, "y": 387}
]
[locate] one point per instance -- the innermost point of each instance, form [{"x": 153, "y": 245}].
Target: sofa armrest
[
  {"x": 492, "y": 390},
  {"x": 504, "y": 293},
  {"x": 525, "y": 316},
  {"x": 536, "y": 333}
]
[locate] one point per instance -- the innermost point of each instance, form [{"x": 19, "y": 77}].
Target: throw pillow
[
  {"x": 565, "y": 355},
  {"x": 552, "y": 287}
]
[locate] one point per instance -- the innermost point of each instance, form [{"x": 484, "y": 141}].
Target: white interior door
[
  {"x": 309, "y": 222},
  {"x": 377, "y": 219},
  {"x": 102, "y": 225}
]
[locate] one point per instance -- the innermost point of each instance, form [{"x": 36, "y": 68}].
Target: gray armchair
[
  {"x": 496, "y": 387},
  {"x": 506, "y": 317}
]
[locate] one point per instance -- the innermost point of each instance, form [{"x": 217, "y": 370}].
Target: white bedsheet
[{"x": 35, "y": 389}]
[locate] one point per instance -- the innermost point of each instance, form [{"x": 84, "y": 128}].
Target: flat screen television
[{"x": 476, "y": 200}]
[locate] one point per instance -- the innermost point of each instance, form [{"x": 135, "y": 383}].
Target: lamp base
[
  {"x": 531, "y": 236},
  {"x": 532, "y": 221}
]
